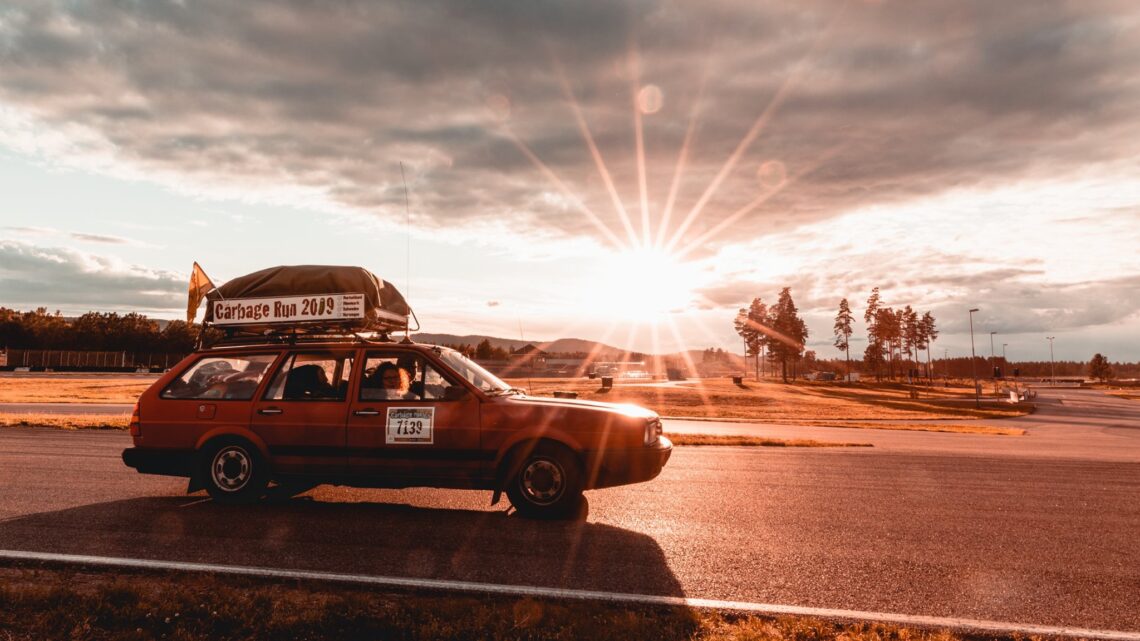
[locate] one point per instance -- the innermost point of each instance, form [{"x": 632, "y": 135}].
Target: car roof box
[{"x": 307, "y": 299}]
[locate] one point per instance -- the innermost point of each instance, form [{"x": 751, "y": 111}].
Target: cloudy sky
[{"x": 632, "y": 172}]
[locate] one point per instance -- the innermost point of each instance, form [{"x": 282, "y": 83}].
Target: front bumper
[
  {"x": 164, "y": 462},
  {"x": 613, "y": 467}
]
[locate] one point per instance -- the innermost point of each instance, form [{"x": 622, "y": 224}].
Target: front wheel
[
  {"x": 546, "y": 483},
  {"x": 233, "y": 472}
]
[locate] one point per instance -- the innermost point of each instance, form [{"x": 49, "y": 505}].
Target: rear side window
[
  {"x": 311, "y": 376},
  {"x": 221, "y": 377}
]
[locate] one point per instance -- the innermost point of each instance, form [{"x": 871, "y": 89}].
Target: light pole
[
  {"x": 1052, "y": 372},
  {"x": 973, "y": 362},
  {"x": 993, "y": 359}
]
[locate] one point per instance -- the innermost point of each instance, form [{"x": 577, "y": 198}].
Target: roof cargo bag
[{"x": 308, "y": 298}]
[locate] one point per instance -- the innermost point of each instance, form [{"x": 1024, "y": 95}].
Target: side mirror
[{"x": 454, "y": 393}]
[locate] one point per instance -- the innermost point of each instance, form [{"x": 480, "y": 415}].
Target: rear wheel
[
  {"x": 546, "y": 482},
  {"x": 233, "y": 472}
]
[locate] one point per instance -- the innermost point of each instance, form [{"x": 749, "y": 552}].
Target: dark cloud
[
  {"x": 1013, "y": 307},
  {"x": 82, "y": 282},
  {"x": 876, "y": 102}
]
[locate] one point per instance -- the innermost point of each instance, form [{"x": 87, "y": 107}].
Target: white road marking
[{"x": 951, "y": 623}]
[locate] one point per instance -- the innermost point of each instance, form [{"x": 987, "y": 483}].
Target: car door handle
[
  {"x": 270, "y": 410},
  {"x": 366, "y": 413}
]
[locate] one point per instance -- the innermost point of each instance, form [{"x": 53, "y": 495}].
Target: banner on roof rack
[{"x": 288, "y": 309}]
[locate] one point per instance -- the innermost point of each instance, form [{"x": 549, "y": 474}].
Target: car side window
[
  {"x": 436, "y": 387},
  {"x": 221, "y": 377},
  {"x": 391, "y": 375},
  {"x": 311, "y": 376}
]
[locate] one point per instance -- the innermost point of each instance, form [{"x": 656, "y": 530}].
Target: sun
[{"x": 645, "y": 284}]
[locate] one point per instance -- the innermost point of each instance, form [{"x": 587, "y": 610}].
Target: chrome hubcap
[
  {"x": 542, "y": 481},
  {"x": 231, "y": 468}
]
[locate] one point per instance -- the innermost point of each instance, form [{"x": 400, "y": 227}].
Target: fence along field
[{"x": 63, "y": 360}]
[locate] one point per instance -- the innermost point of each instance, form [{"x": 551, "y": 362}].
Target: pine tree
[
  {"x": 759, "y": 318},
  {"x": 843, "y": 330},
  {"x": 873, "y": 358},
  {"x": 887, "y": 335},
  {"x": 929, "y": 335},
  {"x": 1099, "y": 368},
  {"x": 740, "y": 324},
  {"x": 788, "y": 332},
  {"x": 875, "y": 341},
  {"x": 484, "y": 351},
  {"x": 910, "y": 336}
]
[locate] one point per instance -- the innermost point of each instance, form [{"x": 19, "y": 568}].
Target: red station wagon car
[{"x": 375, "y": 413}]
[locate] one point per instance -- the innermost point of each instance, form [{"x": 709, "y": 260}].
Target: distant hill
[{"x": 562, "y": 345}]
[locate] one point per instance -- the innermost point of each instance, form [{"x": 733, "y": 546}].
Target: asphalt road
[{"x": 1043, "y": 540}]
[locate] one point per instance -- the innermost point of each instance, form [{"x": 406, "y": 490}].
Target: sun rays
[{"x": 649, "y": 276}]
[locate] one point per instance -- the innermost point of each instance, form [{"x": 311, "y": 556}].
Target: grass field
[
  {"x": 801, "y": 403},
  {"x": 67, "y": 389},
  {"x": 41, "y": 602}
]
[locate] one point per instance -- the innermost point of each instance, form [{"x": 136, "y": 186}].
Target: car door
[
  {"x": 412, "y": 422},
  {"x": 302, "y": 414}
]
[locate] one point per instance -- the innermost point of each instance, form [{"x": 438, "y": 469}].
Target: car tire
[
  {"x": 233, "y": 471},
  {"x": 545, "y": 482}
]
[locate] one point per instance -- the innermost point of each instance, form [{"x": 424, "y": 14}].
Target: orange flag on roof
[{"x": 200, "y": 285}]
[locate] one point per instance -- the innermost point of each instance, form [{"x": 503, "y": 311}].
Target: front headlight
[{"x": 652, "y": 430}]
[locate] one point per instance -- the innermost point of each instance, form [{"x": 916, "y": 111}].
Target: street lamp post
[
  {"x": 993, "y": 359},
  {"x": 1052, "y": 372},
  {"x": 973, "y": 363}
]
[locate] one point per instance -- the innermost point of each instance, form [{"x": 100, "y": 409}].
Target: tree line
[
  {"x": 94, "y": 331},
  {"x": 895, "y": 337},
  {"x": 776, "y": 333}
]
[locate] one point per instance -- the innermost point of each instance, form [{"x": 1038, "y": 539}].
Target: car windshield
[{"x": 473, "y": 372}]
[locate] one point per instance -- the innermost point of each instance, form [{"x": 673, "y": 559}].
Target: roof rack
[{"x": 286, "y": 336}]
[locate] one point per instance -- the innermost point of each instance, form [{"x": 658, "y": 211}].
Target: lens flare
[
  {"x": 499, "y": 106},
  {"x": 771, "y": 174},
  {"x": 650, "y": 99}
]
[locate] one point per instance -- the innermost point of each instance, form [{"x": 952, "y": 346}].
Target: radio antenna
[
  {"x": 530, "y": 370},
  {"x": 408, "y": 247}
]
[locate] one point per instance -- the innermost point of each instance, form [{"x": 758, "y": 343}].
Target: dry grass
[
  {"x": 752, "y": 441},
  {"x": 1131, "y": 395},
  {"x": 39, "y": 602},
  {"x": 800, "y": 403},
  {"x": 67, "y": 421},
  {"x": 68, "y": 389}
]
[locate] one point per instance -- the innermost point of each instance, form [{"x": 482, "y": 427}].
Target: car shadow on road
[{"x": 375, "y": 539}]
